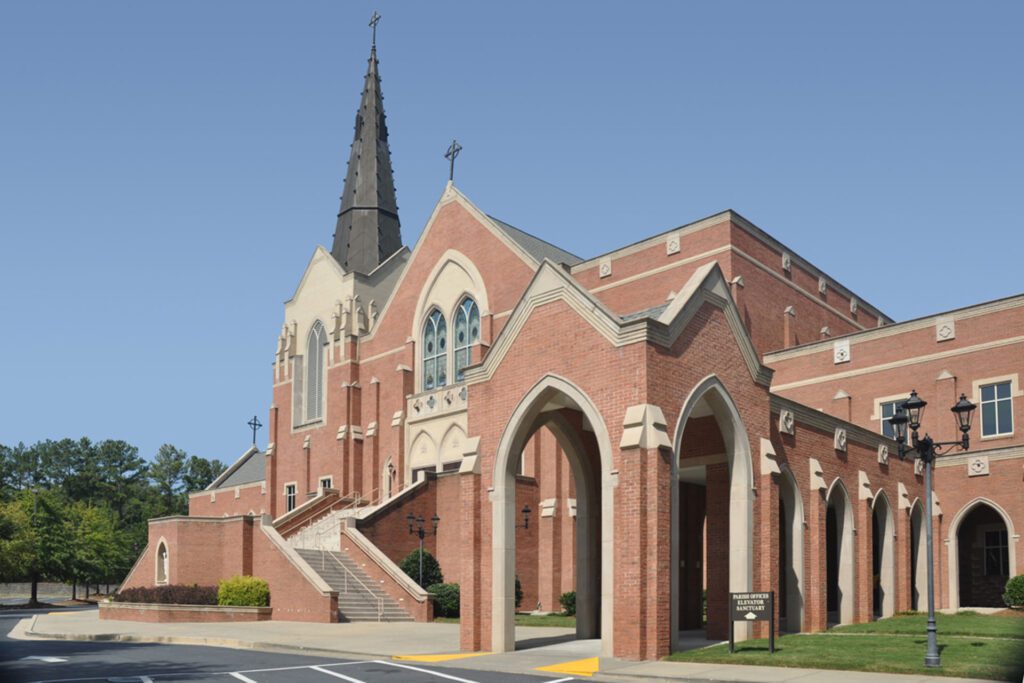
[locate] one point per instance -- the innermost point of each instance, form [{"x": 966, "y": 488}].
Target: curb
[{"x": 230, "y": 643}]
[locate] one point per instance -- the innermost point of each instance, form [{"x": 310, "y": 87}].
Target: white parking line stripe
[
  {"x": 241, "y": 677},
  {"x": 561, "y": 680},
  {"x": 336, "y": 674},
  {"x": 425, "y": 671},
  {"x": 304, "y": 666}
]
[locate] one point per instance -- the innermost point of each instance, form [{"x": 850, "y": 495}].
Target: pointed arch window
[
  {"x": 315, "y": 372},
  {"x": 435, "y": 351},
  {"x": 162, "y": 564},
  {"x": 467, "y": 333}
]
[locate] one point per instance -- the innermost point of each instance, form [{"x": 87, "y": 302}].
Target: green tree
[
  {"x": 15, "y": 541},
  {"x": 200, "y": 473},
  {"x": 167, "y": 473},
  {"x": 99, "y": 552},
  {"x": 41, "y": 541}
]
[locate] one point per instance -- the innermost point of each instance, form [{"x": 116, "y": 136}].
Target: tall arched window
[
  {"x": 315, "y": 372},
  {"x": 435, "y": 351},
  {"x": 467, "y": 333}
]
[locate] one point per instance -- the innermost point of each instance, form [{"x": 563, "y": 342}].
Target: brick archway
[
  {"x": 595, "y": 511},
  {"x": 953, "y": 544}
]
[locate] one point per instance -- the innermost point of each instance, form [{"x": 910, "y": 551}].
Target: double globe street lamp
[
  {"x": 909, "y": 413},
  {"x": 416, "y": 527}
]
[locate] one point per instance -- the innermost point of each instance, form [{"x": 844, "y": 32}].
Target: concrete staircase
[{"x": 359, "y": 597}]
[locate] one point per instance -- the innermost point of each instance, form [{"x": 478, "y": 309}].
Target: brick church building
[{"x": 698, "y": 412}]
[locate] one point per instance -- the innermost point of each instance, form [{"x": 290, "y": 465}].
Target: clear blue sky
[{"x": 166, "y": 169}]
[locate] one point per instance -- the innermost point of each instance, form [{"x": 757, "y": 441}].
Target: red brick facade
[{"x": 646, "y": 406}]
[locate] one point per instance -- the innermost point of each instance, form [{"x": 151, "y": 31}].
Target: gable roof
[
  {"x": 535, "y": 246},
  {"x": 246, "y": 470},
  {"x": 661, "y": 325}
]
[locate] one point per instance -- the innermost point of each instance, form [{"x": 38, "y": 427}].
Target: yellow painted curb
[
  {"x": 579, "y": 667},
  {"x": 440, "y": 658}
]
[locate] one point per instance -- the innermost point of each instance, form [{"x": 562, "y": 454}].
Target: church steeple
[{"x": 368, "y": 230}]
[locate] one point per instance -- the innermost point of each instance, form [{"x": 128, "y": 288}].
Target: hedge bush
[
  {"x": 568, "y": 602},
  {"x": 446, "y": 599},
  {"x": 170, "y": 595},
  {"x": 519, "y": 592},
  {"x": 1014, "y": 595},
  {"x": 431, "y": 569},
  {"x": 243, "y": 591}
]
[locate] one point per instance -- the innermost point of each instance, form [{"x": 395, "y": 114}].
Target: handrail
[{"x": 348, "y": 573}]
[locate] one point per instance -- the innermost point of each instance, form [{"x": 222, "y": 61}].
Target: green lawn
[
  {"x": 987, "y": 647},
  {"x": 528, "y": 620},
  {"x": 962, "y": 624}
]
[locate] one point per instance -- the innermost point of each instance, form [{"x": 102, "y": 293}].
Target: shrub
[
  {"x": 1014, "y": 595},
  {"x": 519, "y": 593},
  {"x": 243, "y": 591},
  {"x": 431, "y": 569},
  {"x": 170, "y": 595},
  {"x": 568, "y": 601},
  {"x": 446, "y": 599}
]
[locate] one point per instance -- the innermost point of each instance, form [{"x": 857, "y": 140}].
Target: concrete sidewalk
[{"x": 438, "y": 643}]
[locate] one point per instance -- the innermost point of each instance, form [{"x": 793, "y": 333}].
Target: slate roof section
[
  {"x": 535, "y": 246},
  {"x": 249, "y": 468}
]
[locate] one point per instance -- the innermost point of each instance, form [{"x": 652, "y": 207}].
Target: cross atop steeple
[
  {"x": 374, "y": 20},
  {"x": 368, "y": 230}
]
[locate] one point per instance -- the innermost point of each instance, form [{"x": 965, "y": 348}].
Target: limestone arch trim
[
  {"x": 920, "y": 572},
  {"x": 887, "y": 570},
  {"x": 953, "y": 544},
  {"x": 739, "y": 456},
  {"x": 503, "y": 513},
  {"x": 454, "y": 429},
  {"x": 416, "y": 463},
  {"x": 428, "y": 298},
  {"x": 795, "y": 599},
  {"x": 162, "y": 543},
  {"x": 847, "y": 569},
  {"x": 434, "y": 295}
]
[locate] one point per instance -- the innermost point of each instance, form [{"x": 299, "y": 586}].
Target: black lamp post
[
  {"x": 909, "y": 413},
  {"x": 416, "y": 527}
]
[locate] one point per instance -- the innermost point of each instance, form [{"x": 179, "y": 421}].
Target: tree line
[{"x": 76, "y": 511}]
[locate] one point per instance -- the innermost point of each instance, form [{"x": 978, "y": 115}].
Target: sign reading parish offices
[{"x": 752, "y": 607}]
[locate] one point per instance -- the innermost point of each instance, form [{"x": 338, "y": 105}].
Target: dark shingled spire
[{"x": 368, "y": 230}]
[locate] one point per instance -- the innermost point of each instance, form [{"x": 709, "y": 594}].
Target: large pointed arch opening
[
  {"x": 840, "y": 559},
  {"x": 883, "y": 558},
  {"x": 982, "y": 554},
  {"x": 559, "y": 407},
  {"x": 712, "y": 515}
]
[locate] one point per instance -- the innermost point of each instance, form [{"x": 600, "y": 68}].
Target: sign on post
[{"x": 752, "y": 607}]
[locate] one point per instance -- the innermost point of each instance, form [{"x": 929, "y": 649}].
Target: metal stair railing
[{"x": 348, "y": 573}]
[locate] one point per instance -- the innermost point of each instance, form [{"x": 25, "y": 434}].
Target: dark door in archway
[{"x": 983, "y": 558}]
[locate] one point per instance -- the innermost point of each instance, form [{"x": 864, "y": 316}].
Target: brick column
[
  {"x": 643, "y": 525},
  {"x": 816, "y": 550},
  {"x": 863, "y": 610},
  {"x": 769, "y": 544}
]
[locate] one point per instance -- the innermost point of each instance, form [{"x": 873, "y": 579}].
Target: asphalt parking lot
[{"x": 53, "y": 661}]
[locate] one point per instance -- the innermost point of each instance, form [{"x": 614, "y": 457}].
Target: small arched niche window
[
  {"x": 162, "y": 564},
  {"x": 315, "y": 372},
  {"x": 435, "y": 351},
  {"x": 467, "y": 333}
]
